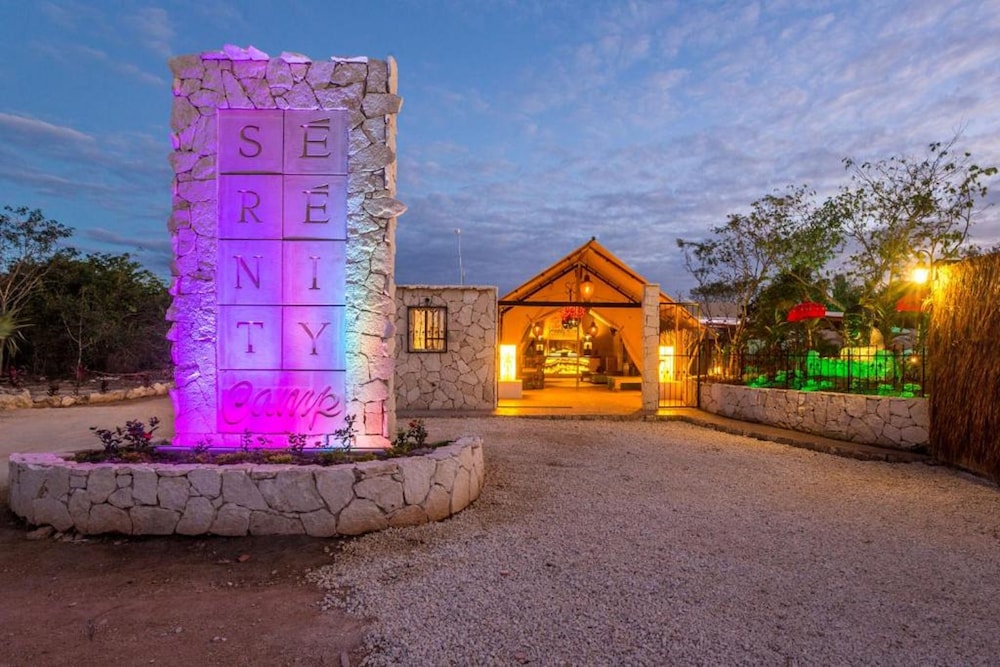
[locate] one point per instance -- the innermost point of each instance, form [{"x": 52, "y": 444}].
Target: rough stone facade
[
  {"x": 164, "y": 499},
  {"x": 236, "y": 78},
  {"x": 875, "y": 420},
  {"x": 465, "y": 376}
]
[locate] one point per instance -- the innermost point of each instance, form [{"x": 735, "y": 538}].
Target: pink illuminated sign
[{"x": 281, "y": 271}]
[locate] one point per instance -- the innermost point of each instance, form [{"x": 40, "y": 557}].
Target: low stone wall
[
  {"x": 199, "y": 499},
  {"x": 25, "y": 399},
  {"x": 902, "y": 423}
]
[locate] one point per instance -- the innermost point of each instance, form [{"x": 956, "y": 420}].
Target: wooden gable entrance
[{"x": 590, "y": 321}]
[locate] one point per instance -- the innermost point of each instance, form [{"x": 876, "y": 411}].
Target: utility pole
[{"x": 461, "y": 271}]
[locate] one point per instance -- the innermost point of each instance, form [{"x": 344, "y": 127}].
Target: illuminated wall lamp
[
  {"x": 586, "y": 288},
  {"x": 508, "y": 363},
  {"x": 508, "y": 386},
  {"x": 921, "y": 273},
  {"x": 666, "y": 363}
]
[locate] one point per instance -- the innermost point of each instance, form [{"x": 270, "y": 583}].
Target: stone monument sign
[{"x": 283, "y": 229}]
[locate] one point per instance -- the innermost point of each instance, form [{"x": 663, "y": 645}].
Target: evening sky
[{"x": 531, "y": 126}]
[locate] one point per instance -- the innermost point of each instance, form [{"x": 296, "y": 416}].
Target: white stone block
[
  {"x": 411, "y": 515},
  {"x": 152, "y": 520},
  {"x": 107, "y": 519},
  {"x": 172, "y": 492},
  {"x": 438, "y": 503},
  {"x": 206, "y": 481},
  {"x": 417, "y": 473},
  {"x": 335, "y": 486},
  {"x": 122, "y": 498},
  {"x": 144, "y": 486},
  {"x": 272, "y": 523},
  {"x": 238, "y": 489},
  {"x": 462, "y": 491},
  {"x": 444, "y": 475},
  {"x": 197, "y": 518},
  {"x": 914, "y": 435},
  {"x": 49, "y": 511},
  {"x": 231, "y": 520},
  {"x": 291, "y": 491},
  {"x": 384, "y": 491},
  {"x": 361, "y": 516},
  {"x": 319, "y": 523},
  {"x": 101, "y": 484}
]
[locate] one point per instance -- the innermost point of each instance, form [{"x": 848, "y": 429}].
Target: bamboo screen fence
[{"x": 964, "y": 354}]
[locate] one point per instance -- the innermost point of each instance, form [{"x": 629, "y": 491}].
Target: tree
[
  {"x": 103, "y": 312},
  {"x": 782, "y": 234},
  {"x": 899, "y": 209},
  {"x": 27, "y": 240},
  {"x": 769, "y": 311}
]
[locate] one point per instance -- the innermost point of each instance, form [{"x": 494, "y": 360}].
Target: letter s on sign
[{"x": 245, "y": 137}]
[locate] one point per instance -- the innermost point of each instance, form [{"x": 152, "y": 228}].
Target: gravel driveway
[{"x": 632, "y": 543}]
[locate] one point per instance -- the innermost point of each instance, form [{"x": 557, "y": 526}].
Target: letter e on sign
[{"x": 316, "y": 142}]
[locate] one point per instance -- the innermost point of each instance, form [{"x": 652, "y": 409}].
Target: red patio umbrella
[
  {"x": 805, "y": 311},
  {"x": 911, "y": 302}
]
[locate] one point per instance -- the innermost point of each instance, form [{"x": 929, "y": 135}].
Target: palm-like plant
[{"x": 10, "y": 335}]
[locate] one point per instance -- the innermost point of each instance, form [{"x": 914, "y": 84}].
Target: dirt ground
[
  {"x": 167, "y": 601},
  {"x": 120, "y": 600}
]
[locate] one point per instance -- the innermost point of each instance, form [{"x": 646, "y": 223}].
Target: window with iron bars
[{"x": 427, "y": 328}]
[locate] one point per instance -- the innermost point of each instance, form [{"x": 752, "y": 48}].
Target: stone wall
[
  {"x": 875, "y": 420},
  {"x": 25, "y": 399},
  {"x": 164, "y": 499},
  {"x": 464, "y": 377},
  {"x": 236, "y": 78}
]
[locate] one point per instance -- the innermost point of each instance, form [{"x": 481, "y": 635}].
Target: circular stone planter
[{"x": 199, "y": 499}]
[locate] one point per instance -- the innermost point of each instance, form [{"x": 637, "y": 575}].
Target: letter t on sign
[{"x": 250, "y": 325}]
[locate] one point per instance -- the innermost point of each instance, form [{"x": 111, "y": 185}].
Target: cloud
[
  {"x": 154, "y": 29},
  {"x": 50, "y": 185},
  {"x": 30, "y": 130},
  {"x": 223, "y": 14},
  {"x": 69, "y": 14},
  {"x": 75, "y": 54},
  {"x": 109, "y": 237},
  {"x": 61, "y": 168},
  {"x": 637, "y": 122},
  {"x": 710, "y": 111}
]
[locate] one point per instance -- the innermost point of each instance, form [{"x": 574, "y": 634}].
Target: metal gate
[{"x": 680, "y": 363}]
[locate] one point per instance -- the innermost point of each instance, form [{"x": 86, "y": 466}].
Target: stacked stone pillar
[
  {"x": 357, "y": 98},
  {"x": 650, "y": 348}
]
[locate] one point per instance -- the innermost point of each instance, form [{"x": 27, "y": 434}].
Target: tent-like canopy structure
[{"x": 589, "y": 303}]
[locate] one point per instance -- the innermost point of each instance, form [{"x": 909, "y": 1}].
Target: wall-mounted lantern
[
  {"x": 921, "y": 272},
  {"x": 586, "y": 288}
]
